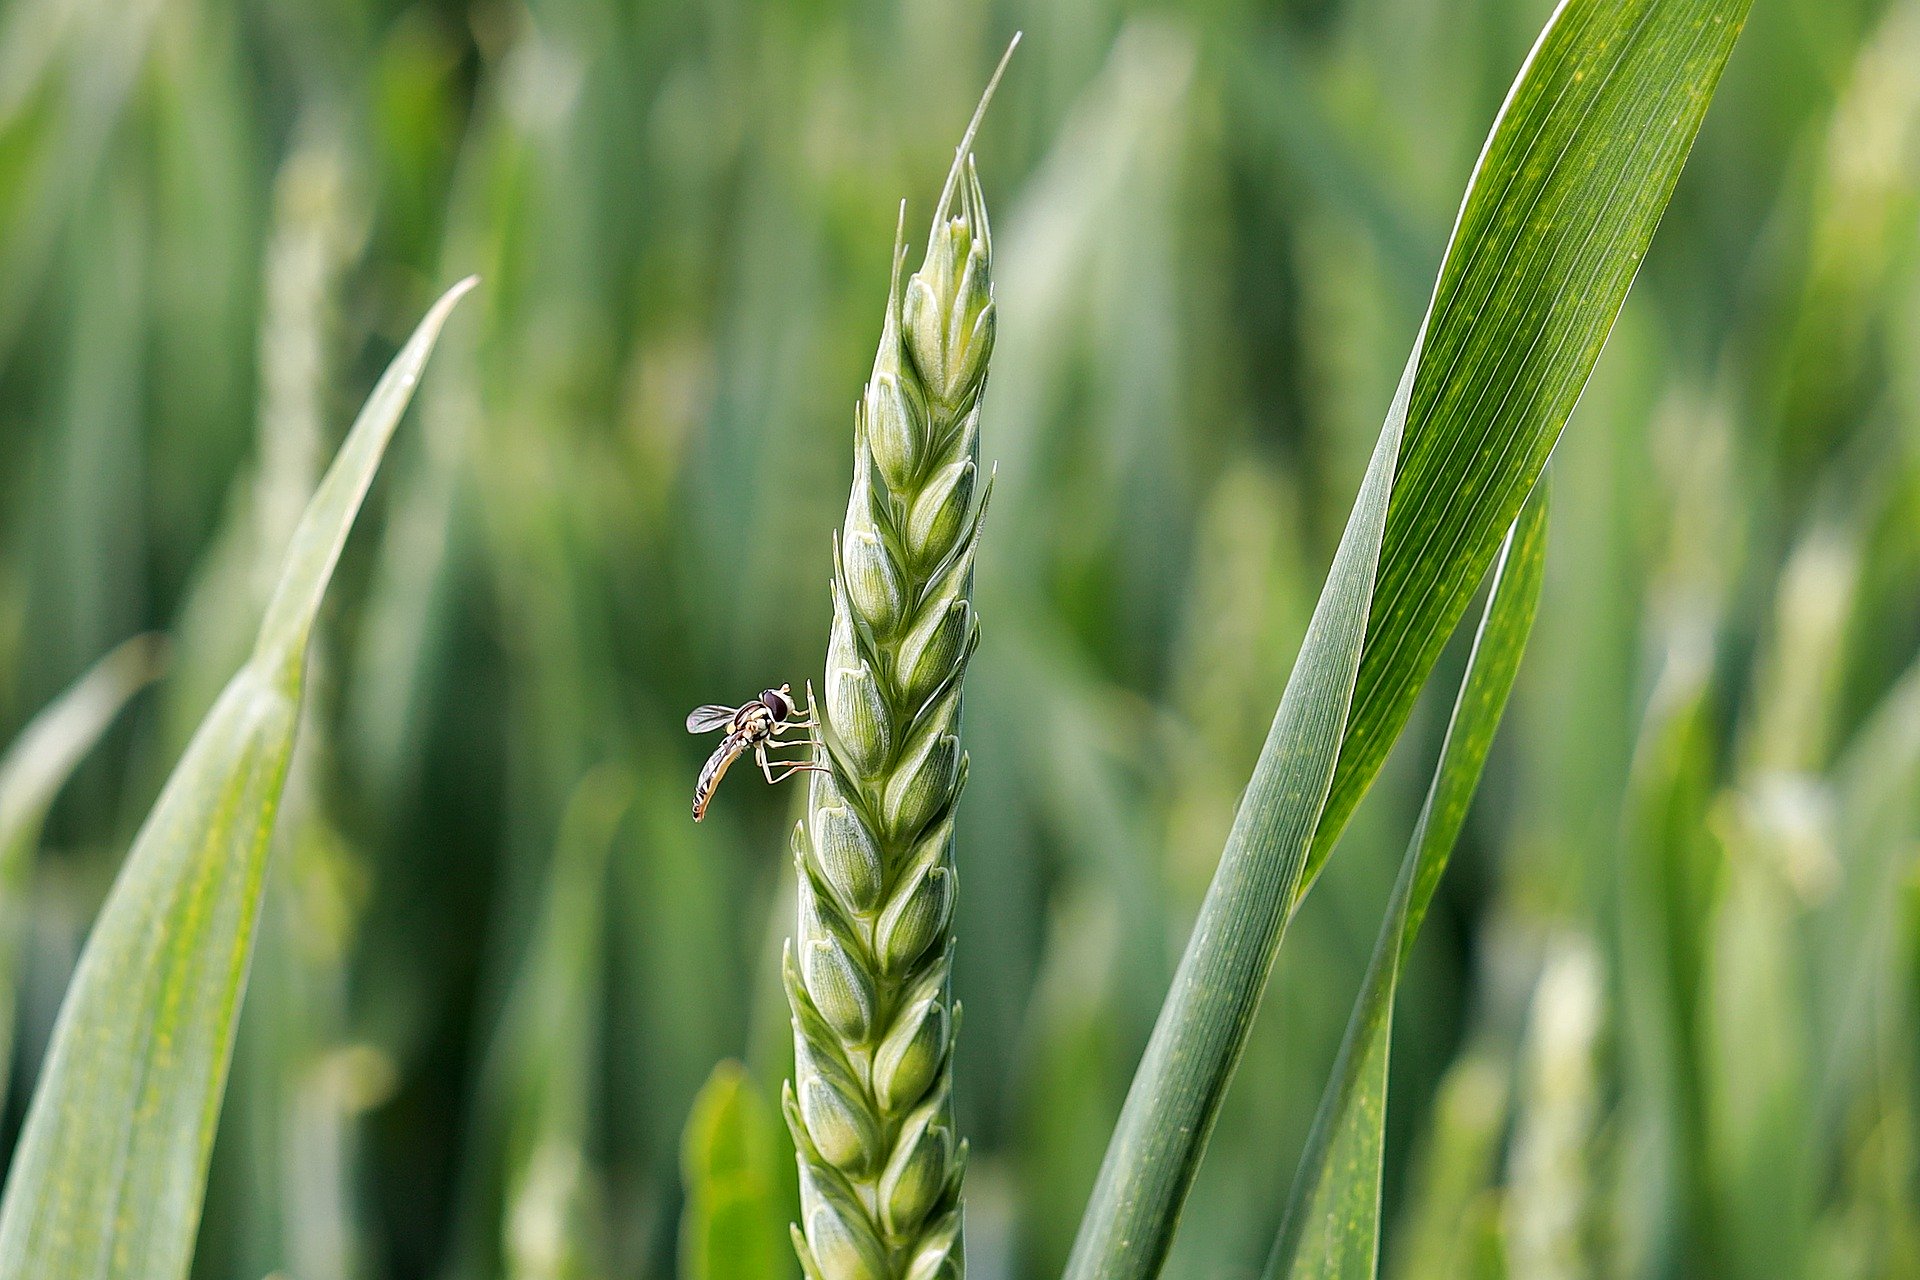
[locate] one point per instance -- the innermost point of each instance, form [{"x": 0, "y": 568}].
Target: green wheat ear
[{"x": 869, "y": 978}]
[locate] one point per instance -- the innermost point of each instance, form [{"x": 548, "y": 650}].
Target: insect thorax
[{"x": 755, "y": 720}]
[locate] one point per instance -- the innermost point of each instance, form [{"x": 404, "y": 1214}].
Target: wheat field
[{"x": 1328, "y": 443}]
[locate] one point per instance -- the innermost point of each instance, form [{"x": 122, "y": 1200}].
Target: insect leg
[
  {"x": 775, "y": 740},
  {"x": 781, "y": 744},
  {"x": 790, "y": 760},
  {"x": 811, "y": 739},
  {"x": 802, "y": 767},
  {"x": 790, "y": 767},
  {"x": 760, "y": 755}
]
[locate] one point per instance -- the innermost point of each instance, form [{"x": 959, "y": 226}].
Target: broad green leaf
[
  {"x": 1332, "y": 1226},
  {"x": 1557, "y": 216},
  {"x": 734, "y": 1223},
  {"x": 32, "y": 772},
  {"x": 110, "y": 1172}
]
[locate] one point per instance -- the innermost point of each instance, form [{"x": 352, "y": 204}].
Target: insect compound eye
[{"x": 776, "y": 703}]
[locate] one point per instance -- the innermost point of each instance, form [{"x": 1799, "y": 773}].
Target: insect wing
[{"x": 710, "y": 717}]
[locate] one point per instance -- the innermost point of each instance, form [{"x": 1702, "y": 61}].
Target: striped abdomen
[{"x": 716, "y": 768}]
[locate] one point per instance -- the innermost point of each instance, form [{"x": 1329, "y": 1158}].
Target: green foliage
[
  {"x": 732, "y": 1228},
  {"x": 1563, "y": 203},
  {"x": 111, "y": 1167},
  {"x": 1214, "y": 228},
  {"x": 1154, "y": 1152},
  {"x": 1332, "y": 1227},
  {"x": 1542, "y": 255},
  {"x": 550, "y": 1197}
]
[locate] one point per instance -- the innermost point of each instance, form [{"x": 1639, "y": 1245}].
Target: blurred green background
[{"x": 1662, "y": 1022}]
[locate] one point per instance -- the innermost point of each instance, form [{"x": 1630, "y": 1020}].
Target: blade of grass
[
  {"x": 1664, "y": 877},
  {"x": 1155, "y": 1149},
  {"x": 734, "y": 1223},
  {"x": 67, "y": 74},
  {"x": 1332, "y": 1225},
  {"x": 1557, "y": 216},
  {"x": 31, "y": 774},
  {"x": 1562, "y": 205},
  {"x": 1771, "y": 859},
  {"x": 110, "y": 1173},
  {"x": 1755, "y": 1053},
  {"x": 1856, "y": 935}
]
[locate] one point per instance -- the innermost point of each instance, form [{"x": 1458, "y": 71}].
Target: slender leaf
[
  {"x": 1202, "y": 1028},
  {"x": 1559, "y": 213},
  {"x": 111, "y": 1169},
  {"x": 1556, "y": 218},
  {"x": 734, "y": 1223},
  {"x": 31, "y": 775},
  {"x": 1665, "y": 875},
  {"x": 1332, "y": 1226},
  {"x": 1858, "y": 933}
]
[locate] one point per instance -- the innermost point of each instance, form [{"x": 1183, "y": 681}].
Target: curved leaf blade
[
  {"x": 1155, "y": 1150},
  {"x": 1557, "y": 216},
  {"x": 1332, "y": 1225},
  {"x": 108, "y": 1179}
]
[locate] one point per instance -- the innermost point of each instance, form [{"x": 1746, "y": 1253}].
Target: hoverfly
[{"x": 754, "y": 726}]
